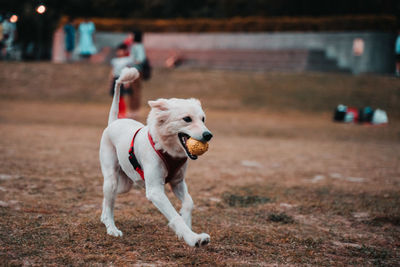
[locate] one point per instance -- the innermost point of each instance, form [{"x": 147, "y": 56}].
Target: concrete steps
[
  {"x": 264, "y": 60},
  {"x": 318, "y": 61}
]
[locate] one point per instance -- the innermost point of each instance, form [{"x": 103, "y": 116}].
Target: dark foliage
[{"x": 208, "y": 8}]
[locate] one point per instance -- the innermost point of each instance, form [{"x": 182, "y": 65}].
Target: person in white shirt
[
  {"x": 118, "y": 63},
  {"x": 138, "y": 56}
]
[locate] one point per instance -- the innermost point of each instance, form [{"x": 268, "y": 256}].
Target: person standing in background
[
  {"x": 9, "y": 33},
  {"x": 1, "y": 36},
  {"x": 128, "y": 41},
  {"x": 86, "y": 42},
  {"x": 118, "y": 63},
  {"x": 138, "y": 56},
  {"x": 397, "y": 52},
  {"x": 69, "y": 40}
]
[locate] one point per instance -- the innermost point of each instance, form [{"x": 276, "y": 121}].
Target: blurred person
[
  {"x": 397, "y": 52},
  {"x": 69, "y": 40},
  {"x": 118, "y": 63},
  {"x": 1, "y": 36},
  {"x": 139, "y": 59},
  {"x": 86, "y": 39},
  {"x": 9, "y": 34},
  {"x": 128, "y": 41}
]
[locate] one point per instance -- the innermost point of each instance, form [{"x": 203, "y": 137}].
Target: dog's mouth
[{"x": 183, "y": 138}]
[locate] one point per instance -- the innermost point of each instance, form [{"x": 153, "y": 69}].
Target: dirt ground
[{"x": 277, "y": 186}]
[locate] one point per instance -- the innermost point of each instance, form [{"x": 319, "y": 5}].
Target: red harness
[{"x": 172, "y": 164}]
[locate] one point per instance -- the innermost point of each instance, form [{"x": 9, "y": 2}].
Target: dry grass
[
  {"x": 280, "y": 185},
  {"x": 223, "y": 90}
]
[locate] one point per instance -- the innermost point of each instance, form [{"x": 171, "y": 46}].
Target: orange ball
[{"x": 196, "y": 147}]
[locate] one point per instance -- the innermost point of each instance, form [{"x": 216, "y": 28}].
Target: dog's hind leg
[
  {"x": 181, "y": 192},
  {"x": 124, "y": 183},
  {"x": 110, "y": 169}
]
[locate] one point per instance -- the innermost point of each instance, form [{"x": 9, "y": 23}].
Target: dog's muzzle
[{"x": 183, "y": 138}]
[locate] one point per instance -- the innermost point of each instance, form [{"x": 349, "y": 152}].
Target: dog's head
[{"x": 173, "y": 121}]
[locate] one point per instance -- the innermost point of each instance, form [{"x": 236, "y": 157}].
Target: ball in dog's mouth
[
  {"x": 193, "y": 147},
  {"x": 196, "y": 147}
]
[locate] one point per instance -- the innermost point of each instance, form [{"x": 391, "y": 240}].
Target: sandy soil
[{"x": 287, "y": 188}]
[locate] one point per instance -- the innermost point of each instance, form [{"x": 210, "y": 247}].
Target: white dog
[{"x": 155, "y": 154}]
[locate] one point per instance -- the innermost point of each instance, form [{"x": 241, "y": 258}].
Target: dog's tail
[{"x": 127, "y": 75}]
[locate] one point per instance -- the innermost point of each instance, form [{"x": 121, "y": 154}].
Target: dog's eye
[
  {"x": 187, "y": 119},
  {"x": 203, "y": 119}
]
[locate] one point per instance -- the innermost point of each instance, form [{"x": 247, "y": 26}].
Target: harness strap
[
  {"x": 159, "y": 153},
  {"x": 172, "y": 164},
  {"x": 133, "y": 159}
]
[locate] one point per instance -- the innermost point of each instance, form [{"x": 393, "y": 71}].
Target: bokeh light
[
  {"x": 41, "y": 9},
  {"x": 14, "y": 18}
]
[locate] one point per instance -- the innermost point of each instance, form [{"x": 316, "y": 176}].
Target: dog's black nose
[{"x": 207, "y": 136}]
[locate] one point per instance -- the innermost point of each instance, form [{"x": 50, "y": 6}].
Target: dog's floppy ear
[
  {"x": 160, "y": 104},
  {"x": 159, "y": 110}
]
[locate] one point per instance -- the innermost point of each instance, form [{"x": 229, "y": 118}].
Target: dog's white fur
[{"x": 164, "y": 122}]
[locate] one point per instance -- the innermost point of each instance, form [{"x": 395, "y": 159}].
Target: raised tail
[{"x": 127, "y": 75}]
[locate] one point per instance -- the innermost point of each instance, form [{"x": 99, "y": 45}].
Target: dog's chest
[{"x": 172, "y": 165}]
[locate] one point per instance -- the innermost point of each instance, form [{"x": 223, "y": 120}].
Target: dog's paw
[
  {"x": 114, "y": 231},
  {"x": 202, "y": 240}
]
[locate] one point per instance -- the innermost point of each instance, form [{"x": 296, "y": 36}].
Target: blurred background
[{"x": 344, "y": 36}]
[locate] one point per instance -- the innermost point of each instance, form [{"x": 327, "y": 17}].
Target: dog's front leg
[
  {"x": 181, "y": 192},
  {"x": 156, "y": 194}
]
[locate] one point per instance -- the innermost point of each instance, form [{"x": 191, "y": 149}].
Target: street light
[{"x": 41, "y": 9}]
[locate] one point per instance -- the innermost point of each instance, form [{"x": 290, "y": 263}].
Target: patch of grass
[
  {"x": 341, "y": 202},
  {"x": 381, "y": 220},
  {"x": 244, "y": 201},
  {"x": 384, "y": 206},
  {"x": 369, "y": 252},
  {"x": 312, "y": 92},
  {"x": 307, "y": 242},
  {"x": 280, "y": 217}
]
